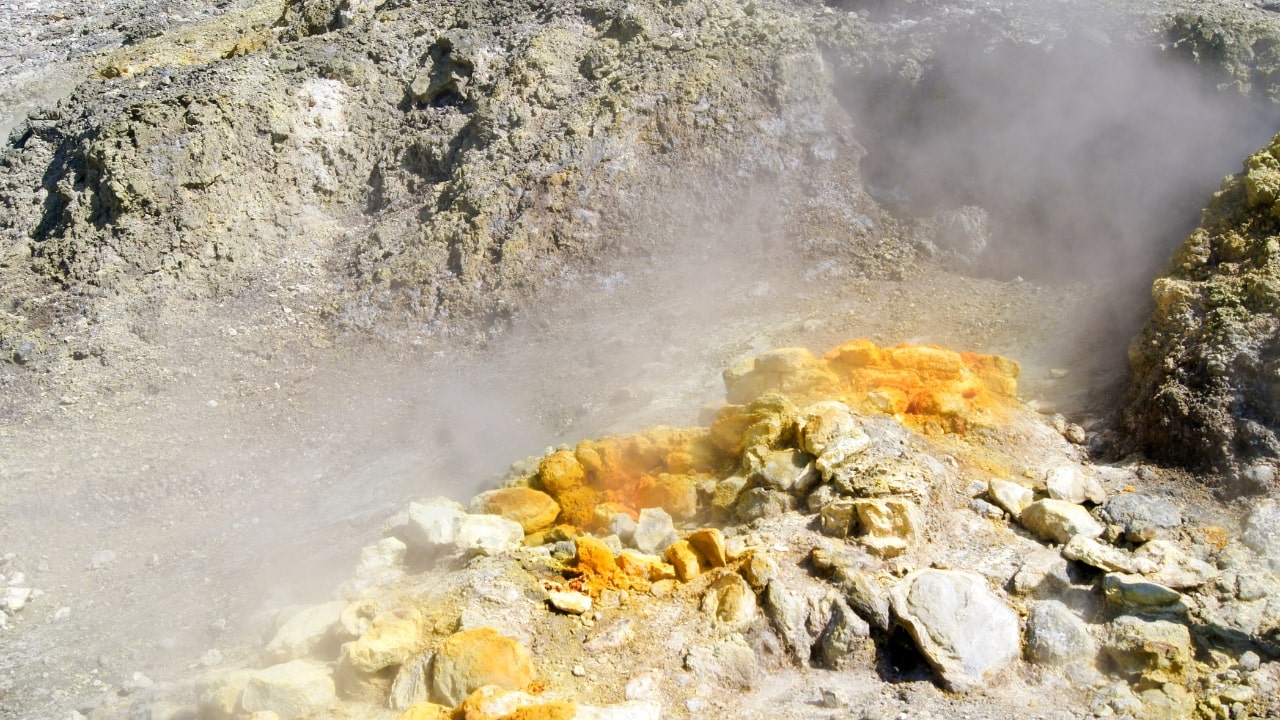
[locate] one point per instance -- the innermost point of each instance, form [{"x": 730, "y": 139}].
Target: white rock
[
  {"x": 488, "y": 534},
  {"x": 959, "y": 625},
  {"x": 63, "y": 613},
  {"x": 433, "y": 524},
  {"x": 1059, "y": 520},
  {"x": 644, "y": 686},
  {"x": 101, "y": 559},
  {"x": 569, "y": 601},
  {"x": 1010, "y": 496},
  {"x": 1070, "y": 483},
  {"x": 15, "y": 598},
  {"x": 305, "y": 632},
  {"x": 386, "y": 554}
]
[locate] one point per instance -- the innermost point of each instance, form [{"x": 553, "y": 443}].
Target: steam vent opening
[{"x": 644, "y": 360}]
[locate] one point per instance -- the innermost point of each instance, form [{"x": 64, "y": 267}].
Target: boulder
[
  {"x": 392, "y": 638},
  {"x": 730, "y": 602},
  {"x": 709, "y": 544},
  {"x": 291, "y": 690},
  {"x": 784, "y": 471},
  {"x": 533, "y": 509},
  {"x": 1059, "y": 520},
  {"x": 831, "y": 427},
  {"x": 684, "y": 560},
  {"x": 962, "y": 629},
  {"x": 409, "y": 687},
  {"x": 471, "y": 659}
]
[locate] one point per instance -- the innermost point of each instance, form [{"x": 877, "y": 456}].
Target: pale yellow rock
[
  {"x": 392, "y": 638},
  {"x": 533, "y": 509},
  {"x": 292, "y": 690},
  {"x": 888, "y": 527},
  {"x": 425, "y": 711},
  {"x": 709, "y": 544}
]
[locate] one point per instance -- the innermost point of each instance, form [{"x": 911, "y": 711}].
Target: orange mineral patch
[
  {"x": 598, "y": 570},
  {"x": 659, "y": 467}
]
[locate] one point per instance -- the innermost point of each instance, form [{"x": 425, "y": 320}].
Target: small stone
[
  {"x": 844, "y": 635},
  {"x": 15, "y": 599},
  {"x": 786, "y": 471},
  {"x": 1058, "y": 637},
  {"x": 759, "y": 570},
  {"x": 655, "y": 531},
  {"x": 393, "y": 638},
  {"x": 63, "y": 613},
  {"x": 958, "y": 624},
  {"x": 644, "y": 686},
  {"x": 135, "y": 683},
  {"x": 293, "y": 689},
  {"x": 1059, "y": 521},
  {"x": 986, "y": 509},
  {"x": 1045, "y": 576},
  {"x": 569, "y": 601},
  {"x": 101, "y": 559},
  {"x": 888, "y": 527},
  {"x": 1250, "y": 661},
  {"x": 578, "y": 671},
  {"x": 789, "y": 614},
  {"x": 1075, "y": 434},
  {"x": 728, "y": 663},
  {"x": 825, "y": 425},
  {"x": 1167, "y": 564},
  {"x": 474, "y": 658},
  {"x": 386, "y": 554}
]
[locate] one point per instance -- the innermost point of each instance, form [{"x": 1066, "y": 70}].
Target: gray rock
[
  {"x": 1140, "y": 516},
  {"x": 1163, "y": 562},
  {"x": 1133, "y": 592},
  {"x": 844, "y": 635},
  {"x": 821, "y": 496},
  {"x": 1044, "y": 576},
  {"x": 729, "y": 663},
  {"x": 1059, "y": 521},
  {"x": 1057, "y": 637},
  {"x": 410, "y": 685},
  {"x": 785, "y": 471},
  {"x": 292, "y": 690},
  {"x": 655, "y": 531},
  {"x": 624, "y": 526},
  {"x": 959, "y": 625},
  {"x": 789, "y": 614},
  {"x": 986, "y": 509},
  {"x": 760, "y": 503}
]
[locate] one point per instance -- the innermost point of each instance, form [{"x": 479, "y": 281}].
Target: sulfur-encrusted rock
[
  {"x": 309, "y": 630},
  {"x": 959, "y": 625},
  {"x": 471, "y": 659},
  {"x": 709, "y": 544},
  {"x": 830, "y": 429},
  {"x": 426, "y": 711},
  {"x": 1059, "y": 521},
  {"x": 392, "y": 638},
  {"x": 888, "y": 527},
  {"x": 1154, "y": 650},
  {"x": 730, "y": 601},
  {"x": 684, "y": 560},
  {"x": 533, "y": 509},
  {"x": 292, "y": 690}
]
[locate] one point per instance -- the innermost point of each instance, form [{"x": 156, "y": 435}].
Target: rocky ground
[{"x": 273, "y": 270}]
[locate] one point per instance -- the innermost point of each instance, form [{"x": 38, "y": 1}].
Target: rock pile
[{"x": 839, "y": 508}]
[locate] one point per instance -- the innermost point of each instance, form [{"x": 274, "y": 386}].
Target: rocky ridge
[{"x": 816, "y": 527}]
